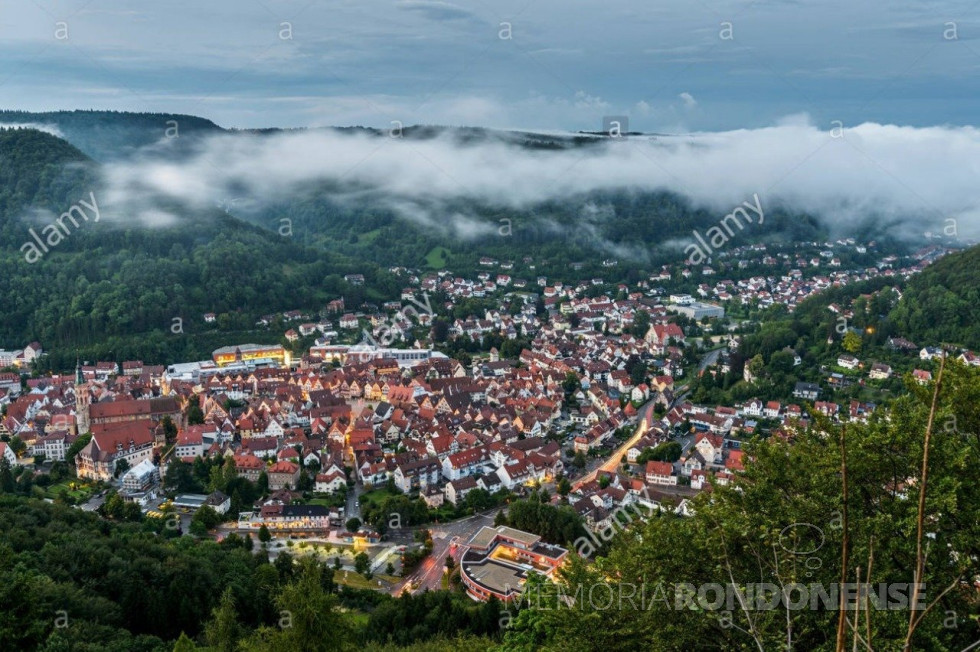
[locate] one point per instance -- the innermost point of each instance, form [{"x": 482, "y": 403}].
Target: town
[{"x": 374, "y": 449}]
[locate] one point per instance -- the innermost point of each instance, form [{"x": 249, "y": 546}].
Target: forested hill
[
  {"x": 942, "y": 304},
  {"x": 108, "y": 135},
  {"x": 36, "y": 169},
  {"x": 639, "y": 227},
  {"x": 108, "y": 290}
]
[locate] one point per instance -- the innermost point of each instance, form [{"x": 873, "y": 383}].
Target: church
[{"x": 121, "y": 430}]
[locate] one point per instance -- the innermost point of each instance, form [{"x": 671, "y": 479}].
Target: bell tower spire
[{"x": 83, "y": 399}]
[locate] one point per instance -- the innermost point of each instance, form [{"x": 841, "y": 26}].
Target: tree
[
  {"x": 180, "y": 477},
  {"x": 184, "y": 644},
  {"x": 7, "y": 483},
  {"x": 390, "y": 569},
  {"x": 852, "y": 342},
  {"x": 837, "y": 511},
  {"x": 195, "y": 415},
  {"x": 361, "y": 562},
  {"x": 76, "y": 447},
  {"x": 353, "y": 524},
  {"x": 17, "y": 446},
  {"x": 440, "y": 330},
  {"x": 641, "y": 323},
  {"x": 264, "y": 535},
  {"x": 309, "y": 620},
  {"x": 121, "y": 467},
  {"x": 668, "y": 451},
  {"x": 579, "y": 460},
  {"x": 223, "y": 631},
  {"x": 169, "y": 429},
  {"x": 205, "y": 519},
  {"x": 564, "y": 486},
  {"x": 450, "y": 563},
  {"x": 571, "y": 384}
]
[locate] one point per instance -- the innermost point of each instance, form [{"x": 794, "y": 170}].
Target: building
[
  {"x": 141, "y": 477},
  {"x": 126, "y": 411},
  {"x": 7, "y": 453},
  {"x": 660, "y": 473},
  {"x": 847, "y": 361},
  {"x": 457, "y": 489},
  {"x": 497, "y": 561},
  {"x": 291, "y": 518},
  {"x": 190, "y": 443},
  {"x": 219, "y": 502},
  {"x": 404, "y": 357},
  {"x": 283, "y": 475},
  {"x": 880, "y": 371},
  {"x": 698, "y": 310},
  {"x": 132, "y": 442},
  {"x": 53, "y": 446},
  {"x": 807, "y": 391},
  {"x": 252, "y": 354},
  {"x": 83, "y": 399},
  {"x": 330, "y": 482}
]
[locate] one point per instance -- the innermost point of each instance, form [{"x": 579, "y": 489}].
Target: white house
[
  {"x": 190, "y": 443},
  {"x": 141, "y": 477},
  {"x": 661, "y": 473},
  {"x": 847, "y": 361},
  {"x": 7, "y": 453},
  {"x": 329, "y": 482}
]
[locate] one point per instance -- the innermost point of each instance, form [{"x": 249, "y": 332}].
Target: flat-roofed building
[
  {"x": 497, "y": 562},
  {"x": 255, "y": 354},
  {"x": 698, "y": 310}
]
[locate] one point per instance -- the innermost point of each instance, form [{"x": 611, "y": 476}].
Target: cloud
[
  {"x": 435, "y": 10},
  {"x": 689, "y": 100},
  {"x": 917, "y": 177}
]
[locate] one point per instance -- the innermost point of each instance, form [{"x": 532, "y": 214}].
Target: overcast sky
[{"x": 536, "y": 64}]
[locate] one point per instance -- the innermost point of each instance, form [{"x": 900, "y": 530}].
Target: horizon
[{"x": 531, "y": 66}]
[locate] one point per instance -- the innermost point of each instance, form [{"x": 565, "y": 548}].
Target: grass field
[
  {"x": 369, "y": 237},
  {"x": 357, "y": 581},
  {"x": 80, "y": 492},
  {"x": 375, "y": 496},
  {"x": 435, "y": 260}
]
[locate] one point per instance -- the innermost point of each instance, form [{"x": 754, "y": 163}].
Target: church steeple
[{"x": 83, "y": 399}]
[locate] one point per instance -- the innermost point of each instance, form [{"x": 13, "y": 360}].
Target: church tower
[{"x": 83, "y": 399}]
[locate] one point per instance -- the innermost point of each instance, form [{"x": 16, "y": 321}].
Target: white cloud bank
[{"x": 919, "y": 176}]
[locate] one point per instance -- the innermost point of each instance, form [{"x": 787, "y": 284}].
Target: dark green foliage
[
  {"x": 113, "y": 293},
  {"x": 115, "y": 583},
  {"x": 669, "y": 451},
  {"x": 419, "y": 617},
  {"x": 784, "y": 524},
  {"x": 559, "y": 525},
  {"x": 942, "y": 304},
  {"x": 396, "y": 510},
  {"x": 108, "y": 135}
]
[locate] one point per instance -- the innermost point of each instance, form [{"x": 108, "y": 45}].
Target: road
[
  {"x": 352, "y": 509},
  {"x": 709, "y": 359},
  {"x": 644, "y": 415},
  {"x": 429, "y": 573},
  {"x": 645, "y": 418}
]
